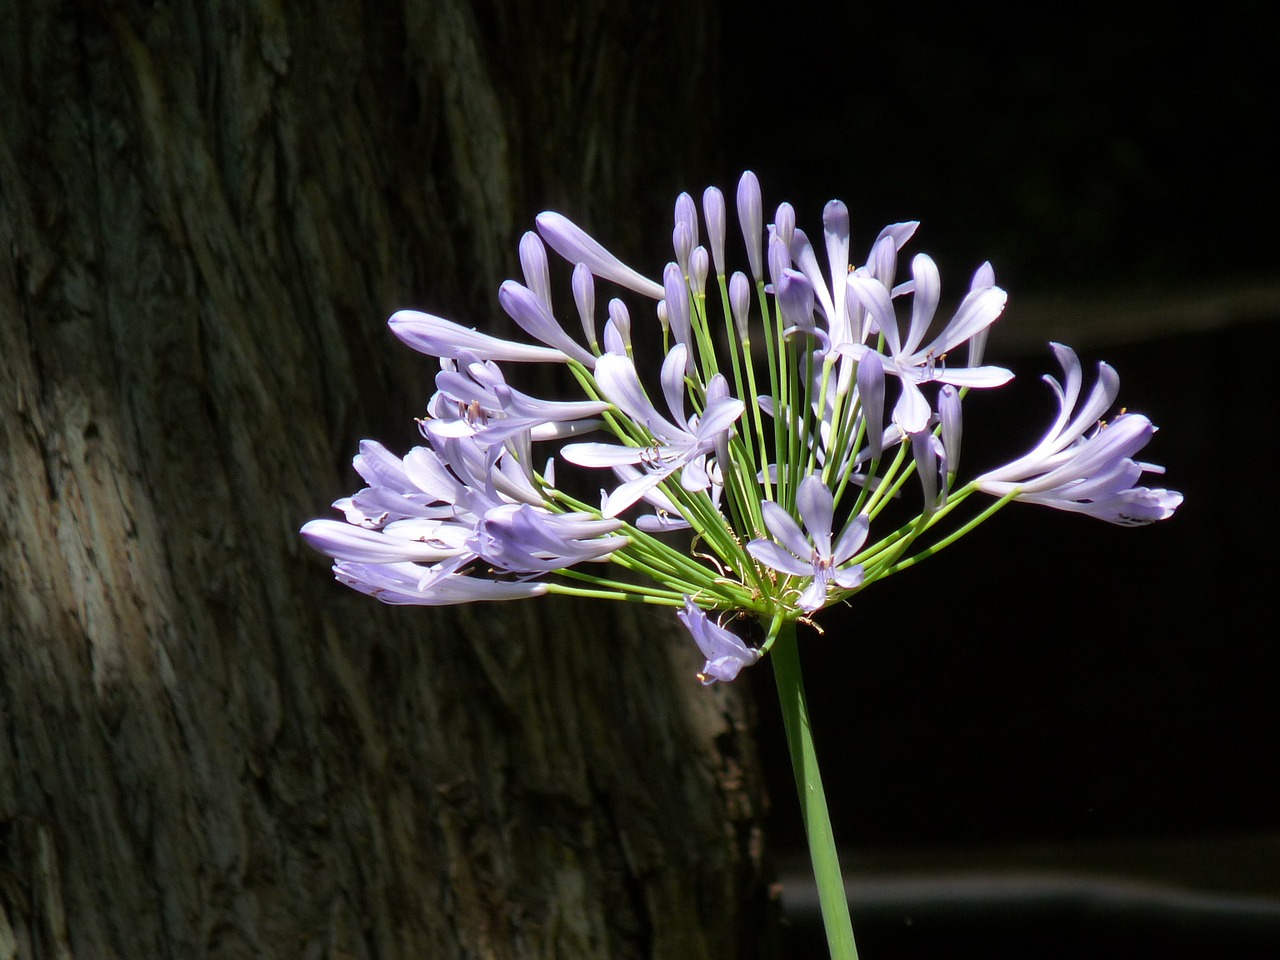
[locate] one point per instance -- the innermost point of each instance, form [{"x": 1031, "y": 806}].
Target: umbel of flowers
[
  {"x": 780, "y": 473},
  {"x": 803, "y": 430}
]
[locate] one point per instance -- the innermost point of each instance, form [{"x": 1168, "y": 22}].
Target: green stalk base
[{"x": 813, "y": 802}]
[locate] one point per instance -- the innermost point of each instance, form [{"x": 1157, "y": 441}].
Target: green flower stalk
[{"x": 765, "y": 437}]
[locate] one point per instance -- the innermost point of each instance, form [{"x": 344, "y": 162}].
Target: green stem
[{"x": 813, "y": 802}]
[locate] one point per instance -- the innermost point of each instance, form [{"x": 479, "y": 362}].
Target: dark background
[
  {"x": 1054, "y": 676},
  {"x": 1074, "y": 146},
  {"x": 1054, "y": 683}
]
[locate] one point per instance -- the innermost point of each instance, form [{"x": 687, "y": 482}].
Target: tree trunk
[{"x": 209, "y": 749}]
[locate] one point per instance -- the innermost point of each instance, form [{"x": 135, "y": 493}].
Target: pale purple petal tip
[
  {"x": 687, "y": 215},
  {"x": 835, "y": 220},
  {"x": 699, "y": 269},
  {"x": 714, "y": 211},
  {"x": 584, "y": 298},
  {"x": 751, "y": 218},
  {"x": 537, "y": 273},
  {"x": 784, "y": 222}
]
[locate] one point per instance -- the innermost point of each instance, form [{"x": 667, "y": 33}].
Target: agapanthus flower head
[{"x": 799, "y": 392}]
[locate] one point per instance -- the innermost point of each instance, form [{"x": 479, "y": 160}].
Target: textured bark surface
[{"x": 208, "y": 749}]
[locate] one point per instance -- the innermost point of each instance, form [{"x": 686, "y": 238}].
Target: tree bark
[{"x": 208, "y": 749}]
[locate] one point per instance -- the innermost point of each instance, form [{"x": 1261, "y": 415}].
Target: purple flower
[
  {"x": 447, "y": 506},
  {"x": 416, "y": 540},
  {"x": 813, "y": 556},
  {"x": 469, "y": 515},
  {"x": 907, "y": 358},
  {"x": 1092, "y": 474},
  {"x": 523, "y": 539},
  {"x": 681, "y": 444},
  {"x": 473, "y": 400},
  {"x": 391, "y": 495},
  {"x": 726, "y": 654}
]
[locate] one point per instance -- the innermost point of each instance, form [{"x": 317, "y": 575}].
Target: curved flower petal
[
  {"x": 772, "y": 555},
  {"x": 874, "y": 297},
  {"x": 978, "y": 310},
  {"x": 719, "y": 416},
  {"x": 816, "y": 506},
  {"x": 924, "y": 299},
  {"x": 784, "y": 527},
  {"x": 972, "y": 376},
  {"x": 851, "y": 540},
  {"x": 592, "y": 454},
  {"x": 912, "y": 410},
  {"x": 627, "y": 493}
]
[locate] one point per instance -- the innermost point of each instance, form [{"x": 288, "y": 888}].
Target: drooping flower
[
  {"x": 444, "y": 507},
  {"x": 726, "y": 653}
]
